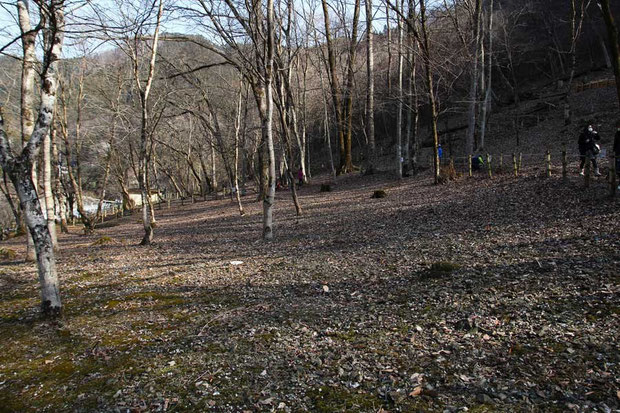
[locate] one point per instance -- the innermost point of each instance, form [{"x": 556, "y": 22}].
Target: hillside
[
  {"x": 482, "y": 295},
  {"x": 541, "y": 126}
]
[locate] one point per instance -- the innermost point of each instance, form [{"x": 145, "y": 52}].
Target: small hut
[{"x": 135, "y": 196}]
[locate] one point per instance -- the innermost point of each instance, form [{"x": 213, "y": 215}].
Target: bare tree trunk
[
  {"x": 213, "y": 168},
  {"x": 145, "y": 90},
  {"x": 473, "y": 89},
  {"x": 190, "y": 166},
  {"x": 173, "y": 181},
  {"x": 31, "y": 252},
  {"x": 412, "y": 93},
  {"x": 388, "y": 30},
  {"x": 612, "y": 31},
  {"x": 399, "y": 96},
  {"x": 334, "y": 85},
  {"x": 304, "y": 150},
  {"x": 37, "y": 226},
  {"x": 486, "y": 103},
  {"x": 236, "y": 161},
  {"x": 347, "y": 165},
  {"x": 102, "y": 190},
  {"x": 58, "y": 188},
  {"x": 370, "y": 93},
  {"x": 327, "y": 128},
  {"x": 206, "y": 182},
  {"x": 47, "y": 188},
  {"x": 17, "y": 215},
  {"x": 149, "y": 199},
  {"x": 576, "y": 23},
  {"x": 268, "y": 127},
  {"x": 88, "y": 222},
  {"x": 29, "y": 62},
  {"x": 431, "y": 91},
  {"x": 19, "y": 169},
  {"x": 286, "y": 120}
]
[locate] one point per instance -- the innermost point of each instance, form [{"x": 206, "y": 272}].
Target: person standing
[
  {"x": 300, "y": 176},
  {"x": 588, "y": 148}
]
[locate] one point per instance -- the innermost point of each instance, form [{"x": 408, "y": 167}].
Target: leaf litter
[{"x": 481, "y": 295}]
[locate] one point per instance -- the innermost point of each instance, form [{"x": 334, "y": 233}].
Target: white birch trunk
[
  {"x": 370, "y": 93},
  {"x": 29, "y": 63},
  {"x": 236, "y": 161},
  {"x": 19, "y": 169},
  {"x": 47, "y": 189},
  {"x": 213, "y": 168},
  {"x": 268, "y": 128},
  {"x": 147, "y": 211},
  {"x": 399, "y": 113}
]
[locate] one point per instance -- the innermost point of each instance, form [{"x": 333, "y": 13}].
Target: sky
[{"x": 76, "y": 10}]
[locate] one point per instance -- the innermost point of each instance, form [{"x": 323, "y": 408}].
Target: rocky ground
[{"x": 480, "y": 295}]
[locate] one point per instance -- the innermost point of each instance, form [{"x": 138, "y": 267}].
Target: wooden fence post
[
  {"x": 612, "y": 178},
  {"x": 489, "y": 166},
  {"x": 514, "y": 165},
  {"x": 588, "y": 170},
  {"x": 469, "y": 165},
  {"x": 548, "y": 164},
  {"x": 564, "y": 165}
]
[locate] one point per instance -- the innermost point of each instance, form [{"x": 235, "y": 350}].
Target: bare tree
[
  {"x": 488, "y": 88},
  {"x": 19, "y": 167},
  {"x": 370, "y": 92},
  {"x": 473, "y": 89},
  {"x": 399, "y": 91},
  {"x": 412, "y": 147},
  {"x": 422, "y": 38},
  {"x": 612, "y": 31},
  {"x": 255, "y": 61}
]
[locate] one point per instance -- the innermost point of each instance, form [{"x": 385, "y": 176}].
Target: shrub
[
  {"x": 447, "y": 173},
  {"x": 7, "y": 254},
  {"x": 102, "y": 241},
  {"x": 379, "y": 194},
  {"x": 442, "y": 268}
]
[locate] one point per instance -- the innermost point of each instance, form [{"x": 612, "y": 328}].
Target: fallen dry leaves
[{"x": 497, "y": 295}]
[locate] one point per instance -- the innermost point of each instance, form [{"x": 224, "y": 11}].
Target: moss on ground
[{"x": 330, "y": 399}]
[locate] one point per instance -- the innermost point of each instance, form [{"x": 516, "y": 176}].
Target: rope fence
[{"x": 513, "y": 163}]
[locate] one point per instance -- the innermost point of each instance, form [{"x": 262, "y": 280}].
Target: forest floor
[{"x": 480, "y": 295}]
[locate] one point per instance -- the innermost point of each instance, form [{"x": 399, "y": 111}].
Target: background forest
[{"x": 498, "y": 67}]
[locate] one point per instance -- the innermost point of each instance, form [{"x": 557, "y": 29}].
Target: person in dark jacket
[
  {"x": 587, "y": 148},
  {"x": 300, "y": 176}
]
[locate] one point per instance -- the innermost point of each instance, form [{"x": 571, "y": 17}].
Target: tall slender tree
[
  {"x": 370, "y": 92},
  {"x": 612, "y": 32},
  {"x": 19, "y": 166}
]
